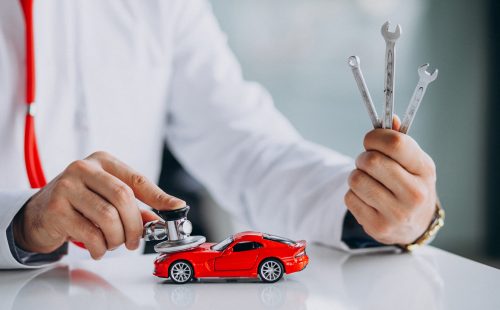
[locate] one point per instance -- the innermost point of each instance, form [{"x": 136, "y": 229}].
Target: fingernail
[
  {"x": 134, "y": 244},
  {"x": 179, "y": 203}
]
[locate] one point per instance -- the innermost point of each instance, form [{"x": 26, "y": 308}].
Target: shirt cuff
[
  {"x": 30, "y": 258},
  {"x": 354, "y": 236}
]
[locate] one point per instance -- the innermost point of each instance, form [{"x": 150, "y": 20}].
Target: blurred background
[{"x": 298, "y": 50}]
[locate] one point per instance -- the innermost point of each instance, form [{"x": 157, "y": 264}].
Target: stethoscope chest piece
[
  {"x": 176, "y": 228},
  {"x": 185, "y": 244}
]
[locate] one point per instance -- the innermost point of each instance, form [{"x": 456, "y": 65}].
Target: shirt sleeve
[
  {"x": 354, "y": 236},
  {"x": 12, "y": 256},
  {"x": 228, "y": 134},
  {"x": 30, "y": 258}
]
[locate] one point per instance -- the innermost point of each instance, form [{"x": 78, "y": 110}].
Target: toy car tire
[
  {"x": 181, "y": 272},
  {"x": 271, "y": 270}
]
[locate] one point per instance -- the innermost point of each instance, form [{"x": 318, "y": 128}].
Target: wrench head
[
  {"x": 425, "y": 75},
  {"x": 391, "y": 36},
  {"x": 353, "y": 61}
]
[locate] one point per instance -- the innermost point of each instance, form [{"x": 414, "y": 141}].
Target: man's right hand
[{"x": 92, "y": 201}]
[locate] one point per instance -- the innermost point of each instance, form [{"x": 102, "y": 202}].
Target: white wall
[{"x": 298, "y": 50}]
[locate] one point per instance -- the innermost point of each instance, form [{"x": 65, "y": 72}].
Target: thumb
[
  {"x": 396, "y": 122},
  {"x": 148, "y": 216}
]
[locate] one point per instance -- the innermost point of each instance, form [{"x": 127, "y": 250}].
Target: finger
[
  {"x": 371, "y": 191},
  {"x": 122, "y": 198},
  {"x": 396, "y": 122},
  {"x": 149, "y": 216},
  {"x": 369, "y": 218},
  {"x": 400, "y": 147},
  {"x": 145, "y": 190},
  {"x": 363, "y": 213},
  {"x": 386, "y": 171},
  {"x": 81, "y": 229},
  {"x": 100, "y": 212}
]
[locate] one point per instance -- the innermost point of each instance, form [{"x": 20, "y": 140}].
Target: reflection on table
[{"x": 428, "y": 279}]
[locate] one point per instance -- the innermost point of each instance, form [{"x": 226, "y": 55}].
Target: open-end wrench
[
  {"x": 425, "y": 78},
  {"x": 390, "y": 64},
  {"x": 355, "y": 63}
]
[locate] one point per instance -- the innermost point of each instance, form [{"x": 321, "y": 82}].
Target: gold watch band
[{"x": 435, "y": 225}]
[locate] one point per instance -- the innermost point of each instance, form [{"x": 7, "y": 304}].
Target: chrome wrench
[
  {"x": 354, "y": 63},
  {"x": 390, "y": 64},
  {"x": 425, "y": 78}
]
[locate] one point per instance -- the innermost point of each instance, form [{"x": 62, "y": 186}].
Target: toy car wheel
[
  {"x": 271, "y": 270},
  {"x": 181, "y": 272}
]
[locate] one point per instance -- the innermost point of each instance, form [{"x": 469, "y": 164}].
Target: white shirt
[{"x": 126, "y": 76}]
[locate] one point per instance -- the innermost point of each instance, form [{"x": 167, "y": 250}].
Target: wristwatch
[{"x": 435, "y": 225}]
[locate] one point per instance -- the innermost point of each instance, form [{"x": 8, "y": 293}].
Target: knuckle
[
  {"x": 99, "y": 155},
  {"x": 63, "y": 185},
  {"x": 78, "y": 166},
  {"x": 108, "y": 213},
  {"x": 401, "y": 216},
  {"x": 56, "y": 206},
  {"x": 351, "y": 201},
  {"x": 371, "y": 160},
  {"x": 395, "y": 142},
  {"x": 123, "y": 193},
  {"x": 349, "y": 198},
  {"x": 92, "y": 234},
  {"x": 355, "y": 178},
  {"x": 369, "y": 138},
  {"x": 138, "y": 180},
  {"x": 417, "y": 197}
]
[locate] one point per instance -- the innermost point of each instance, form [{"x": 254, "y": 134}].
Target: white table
[{"x": 427, "y": 279}]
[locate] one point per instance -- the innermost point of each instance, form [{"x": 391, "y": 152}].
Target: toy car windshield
[
  {"x": 278, "y": 239},
  {"x": 221, "y": 246}
]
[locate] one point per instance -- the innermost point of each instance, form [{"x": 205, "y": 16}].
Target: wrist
[
  {"x": 18, "y": 230},
  {"x": 29, "y": 233},
  {"x": 429, "y": 234}
]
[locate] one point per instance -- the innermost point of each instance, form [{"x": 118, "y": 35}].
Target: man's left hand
[{"x": 393, "y": 190}]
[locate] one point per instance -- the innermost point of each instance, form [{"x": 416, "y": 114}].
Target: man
[{"x": 125, "y": 76}]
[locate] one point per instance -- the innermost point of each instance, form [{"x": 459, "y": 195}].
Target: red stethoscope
[{"x": 34, "y": 168}]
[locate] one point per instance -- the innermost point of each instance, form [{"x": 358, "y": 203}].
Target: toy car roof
[
  {"x": 256, "y": 236},
  {"x": 248, "y": 235}
]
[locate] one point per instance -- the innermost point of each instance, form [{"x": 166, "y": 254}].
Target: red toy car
[{"x": 244, "y": 255}]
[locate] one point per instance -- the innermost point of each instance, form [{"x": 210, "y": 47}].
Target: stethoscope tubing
[{"x": 34, "y": 168}]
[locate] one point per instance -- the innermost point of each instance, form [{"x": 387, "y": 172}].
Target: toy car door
[{"x": 240, "y": 256}]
